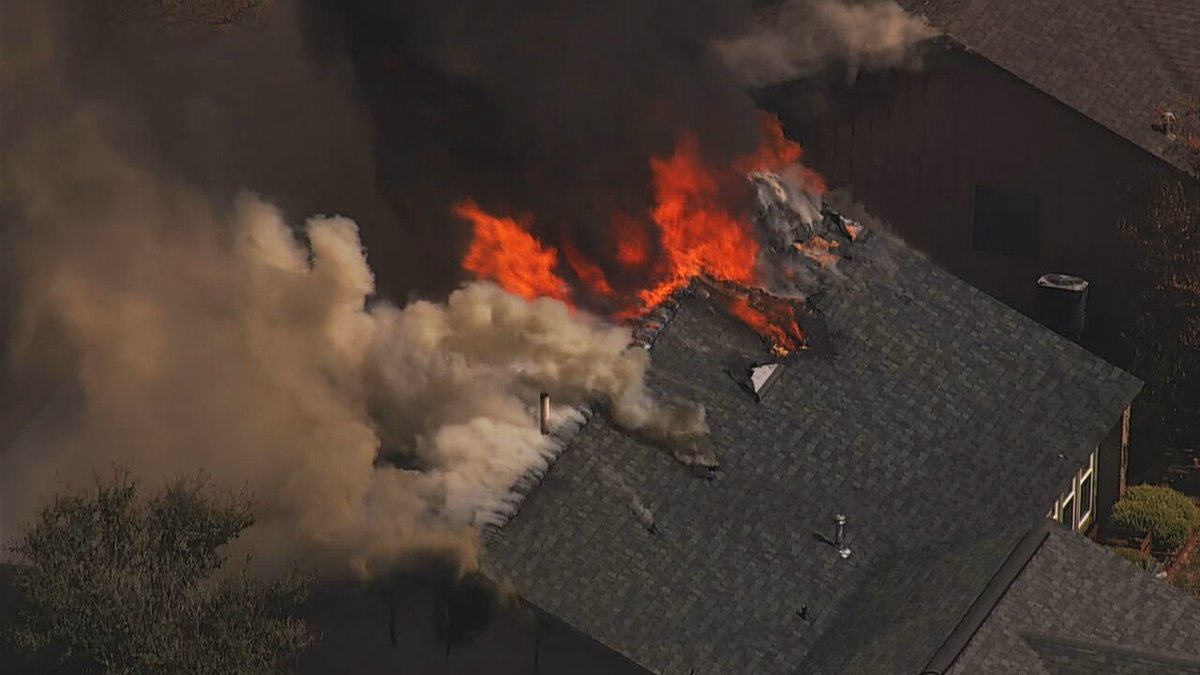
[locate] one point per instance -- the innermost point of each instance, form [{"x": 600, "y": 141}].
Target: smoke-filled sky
[
  {"x": 207, "y": 326},
  {"x": 554, "y": 108}
]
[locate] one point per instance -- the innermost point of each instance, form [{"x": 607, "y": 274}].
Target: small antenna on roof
[{"x": 839, "y": 536}]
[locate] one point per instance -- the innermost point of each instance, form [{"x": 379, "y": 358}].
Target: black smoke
[
  {"x": 543, "y": 107},
  {"x": 390, "y": 111}
]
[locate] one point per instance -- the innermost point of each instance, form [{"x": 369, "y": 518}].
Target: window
[
  {"x": 1087, "y": 490},
  {"x": 1068, "y": 511},
  {"x": 1074, "y": 508},
  {"x": 1006, "y": 221}
]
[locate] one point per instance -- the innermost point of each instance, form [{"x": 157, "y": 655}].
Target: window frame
[
  {"x": 1069, "y": 500},
  {"x": 1090, "y": 499}
]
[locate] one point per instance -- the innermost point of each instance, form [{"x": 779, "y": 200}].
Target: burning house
[
  {"x": 682, "y": 413},
  {"x": 888, "y": 442}
]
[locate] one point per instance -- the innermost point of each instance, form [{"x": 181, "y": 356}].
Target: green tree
[{"x": 123, "y": 583}]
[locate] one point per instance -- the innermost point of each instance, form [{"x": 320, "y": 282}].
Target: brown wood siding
[{"x": 912, "y": 147}]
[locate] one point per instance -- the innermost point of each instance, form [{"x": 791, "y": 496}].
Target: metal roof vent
[
  {"x": 839, "y": 536},
  {"x": 1061, "y": 303},
  {"x": 545, "y": 414}
]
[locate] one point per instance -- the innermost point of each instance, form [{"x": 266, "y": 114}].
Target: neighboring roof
[
  {"x": 1078, "y": 608},
  {"x": 942, "y": 424},
  {"x": 1115, "y": 61}
]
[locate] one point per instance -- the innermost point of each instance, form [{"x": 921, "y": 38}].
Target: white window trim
[
  {"x": 1079, "y": 517},
  {"x": 1070, "y": 497},
  {"x": 1090, "y": 500}
]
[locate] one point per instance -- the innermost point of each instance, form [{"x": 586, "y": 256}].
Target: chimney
[
  {"x": 839, "y": 536},
  {"x": 545, "y": 416},
  {"x": 1061, "y": 304}
]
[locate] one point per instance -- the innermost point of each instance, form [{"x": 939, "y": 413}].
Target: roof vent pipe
[
  {"x": 1061, "y": 304},
  {"x": 545, "y": 416},
  {"x": 839, "y": 536}
]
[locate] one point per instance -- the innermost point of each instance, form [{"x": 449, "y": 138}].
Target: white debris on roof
[{"x": 760, "y": 375}]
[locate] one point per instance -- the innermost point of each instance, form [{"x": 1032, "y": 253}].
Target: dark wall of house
[
  {"x": 1108, "y": 472},
  {"x": 370, "y": 632},
  {"x": 913, "y": 146}
]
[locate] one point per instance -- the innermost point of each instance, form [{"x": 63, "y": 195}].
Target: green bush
[{"x": 1169, "y": 516}]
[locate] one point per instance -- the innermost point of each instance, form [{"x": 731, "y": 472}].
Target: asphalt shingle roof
[
  {"x": 1112, "y": 60},
  {"x": 941, "y": 424},
  {"x": 1078, "y": 608}
]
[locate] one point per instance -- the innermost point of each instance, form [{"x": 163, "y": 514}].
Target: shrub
[
  {"x": 1188, "y": 577},
  {"x": 1133, "y": 555},
  {"x": 1169, "y": 516}
]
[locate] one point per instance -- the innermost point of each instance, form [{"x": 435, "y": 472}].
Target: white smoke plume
[
  {"x": 800, "y": 37},
  {"x": 202, "y": 336}
]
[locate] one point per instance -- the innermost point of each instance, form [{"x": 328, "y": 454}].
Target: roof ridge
[
  {"x": 1128, "y": 64},
  {"x": 988, "y": 598},
  {"x": 531, "y": 479},
  {"x": 645, "y": 331}
]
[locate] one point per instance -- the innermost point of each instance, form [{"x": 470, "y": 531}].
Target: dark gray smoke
[
  {"x": 389, "y": 111},
  {"x": 202, "y": 329},
  {"x": 554, "y": 108},
  {"x": 539, "y": 107}
]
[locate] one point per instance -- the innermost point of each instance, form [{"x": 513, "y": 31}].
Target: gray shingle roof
[
  {"x": 1112, "y": 60},
  {"x": 941, "y": 423},
  {"x": 1078, "y": 608}
]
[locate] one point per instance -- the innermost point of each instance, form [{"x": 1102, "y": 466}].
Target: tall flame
[
  {"x": 588, "y": 272},
  {"x": 698, "y": 235},
  {"x": 690, "y": 232},
  {"x": 503, "y": 250}
]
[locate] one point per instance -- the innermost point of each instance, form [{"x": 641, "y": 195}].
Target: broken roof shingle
[
  {"x": 941, "y": 415},
  {"x": 1115, "y": 61}
]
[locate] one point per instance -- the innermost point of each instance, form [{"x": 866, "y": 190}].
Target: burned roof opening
[{"x": 886, "y": 430}]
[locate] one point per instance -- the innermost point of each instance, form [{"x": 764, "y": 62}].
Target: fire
[
  {"x": 698, "y": 235},
  {"x": 771, "y": 317},
  {"x": 633, "y": 242},
  {"x": 784, "y": 339},
  {"x": 502, "y": 250},
  {"x": 691, "y": 232},
  {"x": 777, "y": 153},
  {"x": 820, "y": 250},
  {"x": 588, "y": 272}
]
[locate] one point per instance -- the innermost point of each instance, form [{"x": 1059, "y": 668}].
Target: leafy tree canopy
[
  {"x": 1165, "y": 237},
  {"x": 126, "y": 583}
]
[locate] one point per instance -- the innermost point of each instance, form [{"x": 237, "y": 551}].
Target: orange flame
[
  {"x": 697, "y": 235},
  {"x": 819, "y": 250},
  {"x": 633, "y": 242},
  {"x": 783, "y": 333},
  {"x": 777, "y": 152},
  {"x": 588, "y": 272},
  {"x": 502, "y": 250}
]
